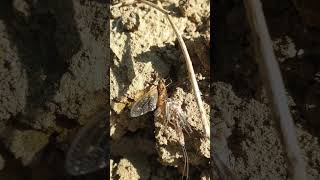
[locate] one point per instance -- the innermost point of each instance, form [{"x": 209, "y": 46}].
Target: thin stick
[
  {"x": 195, "y": 87},
  {"x": 223, "y": 170},
  {"x": 270, "y": 71}
]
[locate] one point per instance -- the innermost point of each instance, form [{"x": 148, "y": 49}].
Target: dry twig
[{"x": 270, "y": 71}]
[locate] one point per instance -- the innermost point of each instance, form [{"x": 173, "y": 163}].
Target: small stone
[
  {"x": 130, "y": 22},
  {"x": 284, "y": 48},
  {"x": 25, "y": 144},
  {"x": 126, "y": 170},
  {"x": 205, "y": 175},
  {"x": 22, "y": 7},
  {"x": 118, "y": 107}
]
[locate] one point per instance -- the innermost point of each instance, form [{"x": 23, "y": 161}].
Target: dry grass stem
[{"x": 270, "y": 71}]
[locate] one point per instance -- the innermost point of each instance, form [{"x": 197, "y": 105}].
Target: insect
[
  {"x": 88, "y": 151},
  {"x": 167, "y": 110},
  {"x": 146, "y": 103},
  {"x": 150, "y": 101}
]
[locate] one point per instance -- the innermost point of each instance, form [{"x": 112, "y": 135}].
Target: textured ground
[
  {"x": 52, "y": 54},
  {"x": 145, "y": 50}
]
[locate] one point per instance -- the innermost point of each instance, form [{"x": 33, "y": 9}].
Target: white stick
[
  {"x": 276, "y": 90},
  {"x": 193, "y": 80}
]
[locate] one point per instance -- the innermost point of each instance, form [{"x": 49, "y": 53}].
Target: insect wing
[
  {"x": 88, "y": 151},
  {"x": 144, "y": 104}
]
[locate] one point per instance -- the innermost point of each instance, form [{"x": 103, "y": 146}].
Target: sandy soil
[
  {"x": 145, "y": 50},
  {"x": 257, "y": 152},
  {"x": 53, "y": 70},
  {"x": 244, "y": 132}
]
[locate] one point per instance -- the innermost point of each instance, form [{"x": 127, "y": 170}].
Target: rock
[
  {"x": 129, "y": 169},
  {"x": 284, "y": 48},
  {"x": 22, "y": 7},
  {"x": 25, "y": 145},
  {"x": 130, "y": 21},
  {"x": 118, "y": 107}
]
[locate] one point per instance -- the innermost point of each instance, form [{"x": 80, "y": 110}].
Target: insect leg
[{"x": 186, "y": 163}]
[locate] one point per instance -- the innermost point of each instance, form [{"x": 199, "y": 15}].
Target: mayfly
[
  {"x": 88, "y": 151},
  {"x": 146, "y": 103},
  {"x": 168, "y": 111},
  {"x": 154, "y": 99}
]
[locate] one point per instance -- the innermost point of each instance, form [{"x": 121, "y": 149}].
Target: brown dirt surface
[
  {"x": 144, "y": 51},
  {"x": 53, "y": 70},
  {"x": 256, "y": 151}
]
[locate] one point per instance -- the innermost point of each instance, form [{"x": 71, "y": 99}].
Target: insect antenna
[
  {"x": 169, "y": 82},
  {"x": 186, "y": 162}
]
